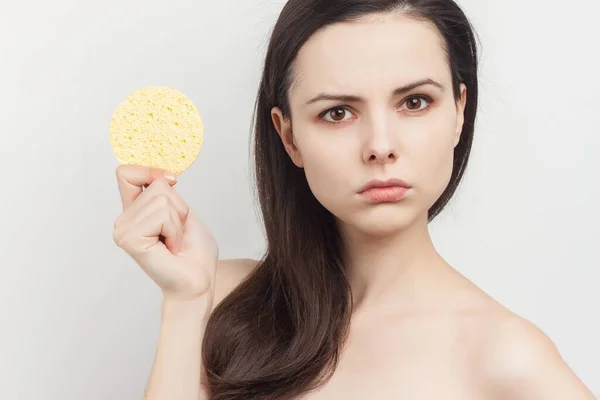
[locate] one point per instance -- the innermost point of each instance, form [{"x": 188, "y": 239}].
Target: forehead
[{"x": 370, "y": 54}]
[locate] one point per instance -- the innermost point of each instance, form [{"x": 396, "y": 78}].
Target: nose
[{"x": 380, "y": 145}]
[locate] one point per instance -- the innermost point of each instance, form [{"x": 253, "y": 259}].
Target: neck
[{"x": 391, "y": 269}]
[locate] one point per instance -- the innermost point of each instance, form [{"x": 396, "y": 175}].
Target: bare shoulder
[
  {"x": 520, "y": 361},
  {"x": 230, "y": 273}
]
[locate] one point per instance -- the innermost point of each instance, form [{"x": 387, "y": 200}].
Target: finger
[
  {"x": 138, "y": 212},
  {"x": 168, "y": 196},
  {"x": 174, "y": 240},
  {"x": 144, "y": 236},
  {"x": 131, "y": 180},
  {"x": 165, "y": 224}
]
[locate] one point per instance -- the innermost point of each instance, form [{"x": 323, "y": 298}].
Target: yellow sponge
[{"x": 157, "y": 127}]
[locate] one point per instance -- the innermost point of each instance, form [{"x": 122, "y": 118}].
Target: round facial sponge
[{"x": 157, "y": 127}]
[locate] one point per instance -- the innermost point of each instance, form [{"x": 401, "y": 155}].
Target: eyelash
[{"x": 428, "y": 99}]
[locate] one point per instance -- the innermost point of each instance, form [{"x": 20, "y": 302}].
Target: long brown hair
[{"x": 280, "y": 332}]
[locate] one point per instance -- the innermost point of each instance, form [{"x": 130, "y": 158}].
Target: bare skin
[{"x": 456, "y": 342}]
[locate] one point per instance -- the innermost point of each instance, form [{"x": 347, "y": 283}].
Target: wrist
[{"x": 196, "y": 308}]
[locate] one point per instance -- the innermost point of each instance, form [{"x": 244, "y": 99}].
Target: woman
[{"x": 364, "y": 122}]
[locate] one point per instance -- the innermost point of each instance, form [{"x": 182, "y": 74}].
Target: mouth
[{"x": 390, "y": 190}]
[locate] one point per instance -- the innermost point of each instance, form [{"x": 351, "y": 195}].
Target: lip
[
  {"x": 376, "y": 183},
  {"x": 378, "y": 191}
]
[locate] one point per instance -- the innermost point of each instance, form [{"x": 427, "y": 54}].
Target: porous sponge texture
[{"x": 158, "y": 127}]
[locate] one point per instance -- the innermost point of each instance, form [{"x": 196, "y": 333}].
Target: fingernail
[{"x": 170, "y": 177}]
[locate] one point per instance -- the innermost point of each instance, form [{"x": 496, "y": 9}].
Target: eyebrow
[{"x": 398, "y": 91}]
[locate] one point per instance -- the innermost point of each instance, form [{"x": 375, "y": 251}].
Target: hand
[{"x": 164, "y": 237}]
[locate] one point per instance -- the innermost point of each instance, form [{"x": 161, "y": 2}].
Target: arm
[
  {"x": 523, "y": 363},
  {"x": 176, "y": 372}
]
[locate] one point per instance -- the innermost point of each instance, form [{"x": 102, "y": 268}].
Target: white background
[{"x": 78, "y": 320}]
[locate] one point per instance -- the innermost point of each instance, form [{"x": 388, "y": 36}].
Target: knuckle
[
  {"x": 162, "y": 200},
  {"x": 118, "y": 238},
  {"x": 118, "y": 222},
  {"x": 125, "y": 244},
  {"x": 185, "y": 209},
  {"x": 160, "y": 182},
  {"x": 121, "y": 171},
  {"x": 129, "y": 242},
  {"x": 180, "y": 206},
  {"x": 184, "y": 214},
  {"x": 169, "y": 215},
  {"x": 115, "y": 238},
  {"x": 164, "y": 213}
]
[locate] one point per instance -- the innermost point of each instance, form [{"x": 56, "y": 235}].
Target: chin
[{"x": 382, "y": 220}]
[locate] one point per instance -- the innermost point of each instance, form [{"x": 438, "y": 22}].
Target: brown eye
[
  {"x": 414, "y": 103},
  {"x": 337, "y": 114},
  {"x": 417, "y": 103}
]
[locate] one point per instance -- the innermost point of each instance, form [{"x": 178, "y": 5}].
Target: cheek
[
  {"x": 434, "y": 162},
  {"x": 327, "y": 163}
]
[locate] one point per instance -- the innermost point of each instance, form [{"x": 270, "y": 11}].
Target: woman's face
[{"x": 352, "y": 122}]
